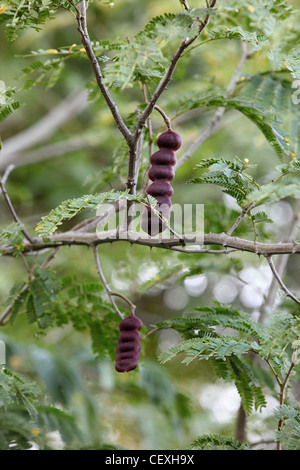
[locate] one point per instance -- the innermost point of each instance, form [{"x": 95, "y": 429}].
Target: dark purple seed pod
[
  {"x": 163, "y": 157},
  {"x": 131, "y": 323},
  {"x": 160, "y": 188},
  {"x": 125, "y": 346},
  {"x": 162, "y": 202},
  {"x": 129, "y": 344},
  {"x": 131, "y": 336},
  {"x": 165, "y": 172},
  {"x": 160, "y": 173},
  {"x": 169, "y": 140}
]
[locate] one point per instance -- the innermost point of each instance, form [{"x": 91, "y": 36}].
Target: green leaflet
[
  {"x": 15, "y": 388},
  {"x": 265, "y": 99},
  {"x": 70, "y": 208},
  {"x": 229, "y": 354},
  {"x": 254, "y": 110},
  {"x": 289, "y": 435},
  {"x": 40, "y": 296},
  {"x": 24, "y": 14},
  {"x": 223, "y": 32},
  {"x": 226, "y": 351},
  {"x": 272, "y": 193},
  {"x": 145, "y": 57},
  {"x": 12, "y": 235},
  {"x": 7, "y": 103},
  {"x": 217, "y": 442},
  {"x": 206, "y": 347},
  {"x": 235, "y": 181},
  {"x": 230, "y": 175}
]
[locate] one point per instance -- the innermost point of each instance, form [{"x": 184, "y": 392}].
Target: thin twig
[
  {"x": 104, "y": 282},
  {"x": 11, "y": 207},
  {"x": 280, "y": 281},
  {"x": 282, "y": 396},
  {"x": 8, "y": 310},
  {"x": 87, "y": 44},
  {"x": 290, "y": 235},
  {"x": 185, "y": 43},
  {"x": 165, "y": 117},
  {"x": 131, "y": 305},
  {"x": 239, "y": 219},
  {"x": 185, "y": 4},
  {"x": 7, "y": 172}
]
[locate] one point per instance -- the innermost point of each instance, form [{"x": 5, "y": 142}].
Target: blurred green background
[{"x": 155, "y": 407}]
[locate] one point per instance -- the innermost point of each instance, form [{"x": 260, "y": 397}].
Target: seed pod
[
  {"x": 163, "y": 157},
  {"x": 129, "y": 344},
  {"x": 160, "y": 187},
  {"x": 169, "y": 140},
  {"x": 161, "y": 172}
]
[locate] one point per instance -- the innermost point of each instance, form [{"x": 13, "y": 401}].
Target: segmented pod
[
  {"x": 129, "y": 344},
  {"x": 161, "y": 173}
]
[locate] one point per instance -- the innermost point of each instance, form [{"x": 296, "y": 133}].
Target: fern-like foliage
[
  {"x": 217, "y": 442},
  {"x": 289, "y": 435},
  {"x": 8, "y": 104},
  {"x": 255, "y": 110},
  {"x": 12, "y": 236},
  {"x": 16, "y": 429},
  {"x": 15, "y": 388},
  {"x": 230, "y": 175},
  {"x": 261, "y": 17},
  {"x": 72, "y": 207},
  {"x": 237, "y": 32},
  {"x": 273, "y": 192},
  {"x": 226, "y": 337},
  {"x": 19, "y": 15},
  {"x": 47, "y": 72},
  {"x": 48, "y": 301},
  {"x": 145, "y": 57},
  {"x": 234, "y": 180}
]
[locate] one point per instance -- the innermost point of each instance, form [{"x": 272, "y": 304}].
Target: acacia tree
[{"x": 251, "y": 354}]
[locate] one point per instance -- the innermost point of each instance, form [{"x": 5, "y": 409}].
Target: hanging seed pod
[
  {"x": 129, "y": 344},
  {"x": 161, "y": 173}
]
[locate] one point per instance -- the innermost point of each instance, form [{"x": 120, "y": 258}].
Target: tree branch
[
  {"x": 87, "y": 44},
  {"x": 113, "y": 236},
  {"x": 7, "y": 172},
  {"x": 169, "y": 73},
  {"x": 282, "y": 396},
  {"x": 290, "y": 235},
  {"x": 105, "y": 284},
  {"x": 240, "y": 218},
  {"x": 10, "y": 205},
  {"x": 280, "y": 281}
]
